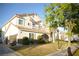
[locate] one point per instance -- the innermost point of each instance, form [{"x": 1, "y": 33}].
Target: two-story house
[{"x": 23, "y": 25}]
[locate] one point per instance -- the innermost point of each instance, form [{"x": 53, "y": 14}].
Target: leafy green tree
[
  {"x": 51, "y": 18},
  {"x": 65, "y": 15},
  {"x": 69, "y": 25},
  {"x": 71, "y": 16}
]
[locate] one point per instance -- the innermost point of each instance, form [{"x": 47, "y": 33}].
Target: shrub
[
  {"x": 39, "y": 37},
  {"x": 45, "y": 38},
  {"x": 40, "y": 40},
  {"x": 31, "y": 41},
  {"x": 24, "y": 41}
]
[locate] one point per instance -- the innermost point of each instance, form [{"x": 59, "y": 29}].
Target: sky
[{"x": 8, "y": 10}]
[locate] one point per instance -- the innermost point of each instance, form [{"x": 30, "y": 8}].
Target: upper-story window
[
  {"x": 21, "y": 21},
  {"x": 33, "y": 24},
  {"x": 28, "y": 24}
]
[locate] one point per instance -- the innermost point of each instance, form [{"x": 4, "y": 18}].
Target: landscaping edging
[
  {"x": 59, "y": 53},
  {"x": 64, "y": 52},
  {"x": 73, "y": 49}
]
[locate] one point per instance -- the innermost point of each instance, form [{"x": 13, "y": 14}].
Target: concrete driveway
[{"x": 5, "y": 51}]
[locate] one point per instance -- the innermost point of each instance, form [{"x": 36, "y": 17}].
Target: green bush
[
  {"x": 31, "y": 41},
  {"x": 40, "y": 40},
  {"x": 24, "y": 41}
]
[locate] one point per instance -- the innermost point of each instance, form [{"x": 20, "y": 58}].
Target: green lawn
[{"x": 40, "y": 50}]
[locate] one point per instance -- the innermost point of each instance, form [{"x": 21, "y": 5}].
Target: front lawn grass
[
  {"x": 42, "y": 49},
  {"x": 39, "y": 50}
]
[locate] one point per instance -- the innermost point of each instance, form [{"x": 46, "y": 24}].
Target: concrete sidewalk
[{"x": 5, "y": 51}]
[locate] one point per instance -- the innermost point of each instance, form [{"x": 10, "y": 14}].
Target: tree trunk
[
  {"x": 58, "y": 39},
  {"x": 50, "y": 37},
  {"x": 69, "y": 39},
  {"x": 53, "y": 35},
  {"x": 69, "y": 42}
]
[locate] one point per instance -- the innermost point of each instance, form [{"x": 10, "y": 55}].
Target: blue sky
[{"x": 8, "y": 10}]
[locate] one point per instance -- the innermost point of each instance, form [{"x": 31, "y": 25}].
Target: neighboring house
[{"x": 23, "y": 25}]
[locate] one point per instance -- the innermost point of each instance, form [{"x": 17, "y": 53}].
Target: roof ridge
[{"x": 25, "y": 14}]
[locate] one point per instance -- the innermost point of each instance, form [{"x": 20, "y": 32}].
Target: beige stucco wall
[
  {"x": 9, "y": 29},
  {"x": 12, "y": 30},
  {"x": 15, "y": 21},
  {"x": 4, "y": 28},
  {"x": 22, "y": 34},
  {"x": 27, "y": 20},
  {"x": 26, "y": 34}
]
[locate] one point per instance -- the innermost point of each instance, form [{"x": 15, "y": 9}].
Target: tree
[
  {"x": 69, "y": 25},
  {"x": 52, "y": 18},
  {"x": 71, "y": 15},
  {"x": 75, "y": 30},
  {"x": 65, "y": 15}
]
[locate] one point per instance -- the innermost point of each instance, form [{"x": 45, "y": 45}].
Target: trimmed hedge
[
  {"x": 42, "y": 39},
  {"x": 24, "y": 41}
]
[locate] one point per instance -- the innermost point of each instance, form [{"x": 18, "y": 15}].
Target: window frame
[{"x": 21, "y": 21}]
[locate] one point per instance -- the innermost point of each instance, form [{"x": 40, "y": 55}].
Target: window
[
  {"x": 31, "y": 35},
  {"x": 33, "y": 24},
  {"x": 21, "y": 21},
  {"x": 28, "y": 24}
]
